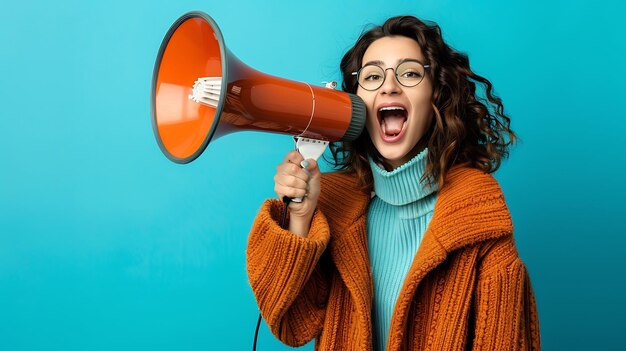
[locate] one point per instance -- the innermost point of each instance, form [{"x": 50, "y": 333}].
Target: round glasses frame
[{"x": 395, "y": 73}]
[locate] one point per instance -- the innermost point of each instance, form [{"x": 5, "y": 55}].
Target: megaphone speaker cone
[{"x": 192, "y": 48}]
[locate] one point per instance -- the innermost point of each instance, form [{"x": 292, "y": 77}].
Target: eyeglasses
[{"x": 408, "y": 73}]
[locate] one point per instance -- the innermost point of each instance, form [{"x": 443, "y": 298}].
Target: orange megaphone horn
[{"x": 201, "y": 91}]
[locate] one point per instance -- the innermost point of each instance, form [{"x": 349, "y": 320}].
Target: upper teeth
[{"x": 390, "y": 108}]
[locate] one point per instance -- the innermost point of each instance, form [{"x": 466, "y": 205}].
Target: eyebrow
[{"x": 381, "y": 63}]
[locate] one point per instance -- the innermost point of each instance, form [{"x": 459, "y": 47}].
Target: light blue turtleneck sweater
[{"x": 397, "y": 219}]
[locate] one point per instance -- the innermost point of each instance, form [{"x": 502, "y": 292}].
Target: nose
[{"x": 390, "y": 85}]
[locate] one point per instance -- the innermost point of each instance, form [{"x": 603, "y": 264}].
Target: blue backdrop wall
[{"x": 107, "y": 245}]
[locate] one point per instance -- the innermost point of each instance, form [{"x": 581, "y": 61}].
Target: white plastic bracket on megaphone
[{"x": 309, "y": 148}]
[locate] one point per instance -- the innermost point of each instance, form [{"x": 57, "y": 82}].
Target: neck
[{"x": 404, "y": 184}]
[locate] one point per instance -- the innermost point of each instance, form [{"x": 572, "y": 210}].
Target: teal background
[{"x": 107, "y": 245}]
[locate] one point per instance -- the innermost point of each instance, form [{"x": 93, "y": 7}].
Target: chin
[
  {"x": 394, "y": 154},
  {"x": 400, "y": 153}
]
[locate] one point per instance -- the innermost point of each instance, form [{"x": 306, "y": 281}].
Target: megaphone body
[{"x": 201, "y": 91}]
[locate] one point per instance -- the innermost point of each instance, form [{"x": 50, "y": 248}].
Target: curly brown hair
[{"x": 467, "y": 129}]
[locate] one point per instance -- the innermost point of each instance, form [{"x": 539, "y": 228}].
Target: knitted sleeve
[
  {"x": 286, "y": 276},
  {"x": 505, "y": 309}
]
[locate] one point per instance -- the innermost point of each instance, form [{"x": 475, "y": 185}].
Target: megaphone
[{"x": 201, "y": 91}]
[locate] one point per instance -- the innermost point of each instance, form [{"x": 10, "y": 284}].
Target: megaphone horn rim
[{"x": 155, "y": 73}]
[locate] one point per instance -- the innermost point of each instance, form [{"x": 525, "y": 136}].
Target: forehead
[{"x": 392, "y": 49}]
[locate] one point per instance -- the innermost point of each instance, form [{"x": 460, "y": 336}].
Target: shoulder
[
  {"x": 341, "y": 200},
  {"x": 470, "y": 184},
  {"x": 470, "y": 208}
]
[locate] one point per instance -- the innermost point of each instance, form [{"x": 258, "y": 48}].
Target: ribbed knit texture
[
  {"x": 467, "y": 288},
  {"x": 397, "y": 219}
]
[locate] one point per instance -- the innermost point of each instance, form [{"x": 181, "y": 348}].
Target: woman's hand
[{"x": 292, "y": 180}]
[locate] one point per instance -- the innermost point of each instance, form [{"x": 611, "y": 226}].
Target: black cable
[
  {"x": 256, "y": 332},
  {"x": 286, "y": 201}
]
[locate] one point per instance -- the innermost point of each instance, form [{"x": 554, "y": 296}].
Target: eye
[
  {"x": 373, "y": 77},
  {"x": 411, "y": 74}
]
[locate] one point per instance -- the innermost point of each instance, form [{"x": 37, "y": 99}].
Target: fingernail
[{"x": 304, "y": 164}]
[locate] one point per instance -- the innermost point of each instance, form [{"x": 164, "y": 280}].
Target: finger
[
  {"x": 312, "y": 168},
  {"x": 291, "y": 169},
  {"x": 293, "y": 156},
  {"x": 282, "y": 190},
  {"x": 290, "y": 181}
]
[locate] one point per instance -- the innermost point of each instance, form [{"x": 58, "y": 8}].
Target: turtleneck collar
[{"x": 402, "y": 185}]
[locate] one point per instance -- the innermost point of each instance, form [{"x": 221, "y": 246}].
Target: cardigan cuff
[{"x": 279, "y": 262}]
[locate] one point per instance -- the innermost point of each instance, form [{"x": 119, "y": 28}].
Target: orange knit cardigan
[{"x": 467, "y": 288}]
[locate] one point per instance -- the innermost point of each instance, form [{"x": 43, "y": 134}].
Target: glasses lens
[
  {"x": 410, "y": 73},
  {"x": 371, "y": 77}
]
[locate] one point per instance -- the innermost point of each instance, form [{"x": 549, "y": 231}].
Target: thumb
[{"x": 312, "y": 168}]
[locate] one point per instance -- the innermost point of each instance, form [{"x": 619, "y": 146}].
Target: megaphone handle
[{"x": 309, "y": 148}]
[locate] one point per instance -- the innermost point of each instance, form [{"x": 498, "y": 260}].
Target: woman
[{"x": 410, "y": 246}]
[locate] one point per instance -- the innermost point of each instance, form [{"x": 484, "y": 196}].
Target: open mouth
[{"x": 392, "y": 121}]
